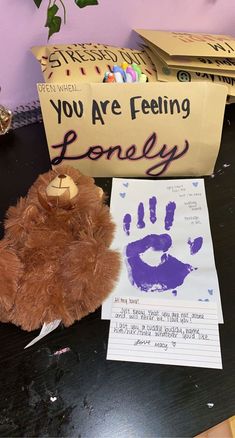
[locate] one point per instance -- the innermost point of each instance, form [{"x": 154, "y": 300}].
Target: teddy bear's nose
[{"x": 62, "y": 176}]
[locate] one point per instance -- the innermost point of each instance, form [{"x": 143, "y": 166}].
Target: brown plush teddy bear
[{"x": 55, "y": 261}]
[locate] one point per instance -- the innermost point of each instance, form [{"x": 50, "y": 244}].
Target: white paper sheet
[
  {"x": 163, "y": 234},
  {"x": 45, "y": 330},
  {"x": 164, "y": 332}
]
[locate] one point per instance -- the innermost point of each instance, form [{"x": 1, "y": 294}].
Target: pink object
[
  {"x": 132, "y": 73},
  {"x": 62, "y": 351},
  {"x": 20, "y": 71}
]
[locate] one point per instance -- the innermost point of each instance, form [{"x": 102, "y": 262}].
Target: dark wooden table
[{"x": 79, "y": 393}]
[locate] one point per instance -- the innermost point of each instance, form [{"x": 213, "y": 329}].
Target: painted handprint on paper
[{"x": 170, "y": 273}]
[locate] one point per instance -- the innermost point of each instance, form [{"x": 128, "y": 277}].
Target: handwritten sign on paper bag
[
  {"x": 143, "y": 330},
  {"x": 65, "y": 63},
  {"x": 191, "y": 44},
  {"x": 214, "y": 65},
  {"x": 134, "y": 129}
]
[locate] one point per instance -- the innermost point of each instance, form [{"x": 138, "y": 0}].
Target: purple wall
[{"x": 110, "y": 22}]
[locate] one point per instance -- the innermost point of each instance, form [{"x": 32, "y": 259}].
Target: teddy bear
[{"x": 55, "y": 257}]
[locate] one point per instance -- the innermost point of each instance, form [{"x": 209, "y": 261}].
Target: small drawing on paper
[{"x": 170, "y": 272}]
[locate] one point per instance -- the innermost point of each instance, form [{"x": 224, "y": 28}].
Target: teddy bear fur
[{"x": 55, "y": 261}]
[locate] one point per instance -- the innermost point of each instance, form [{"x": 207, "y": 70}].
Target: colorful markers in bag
[
  {"x": 109, "y": 77},
  {"x": 126, "y": 73}
]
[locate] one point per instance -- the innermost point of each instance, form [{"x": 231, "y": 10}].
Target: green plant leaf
[
  {"x": 37, "y": 3},
  {"x": 55, "y": 26},
  {"x": 51, "y": 12},
  {"x": 84, "y": 3},
  {"x": 53, "y": 21}
]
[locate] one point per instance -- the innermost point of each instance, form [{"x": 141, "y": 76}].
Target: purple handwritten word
[{"x": 162, "y": 156}]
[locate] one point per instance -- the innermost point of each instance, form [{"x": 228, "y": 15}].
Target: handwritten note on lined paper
[{"x": 163, "y": 332}]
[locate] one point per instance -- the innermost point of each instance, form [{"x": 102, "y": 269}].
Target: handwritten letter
[
  {"x": 163, "y": 234},
  {"x": 156, "y": 331}
]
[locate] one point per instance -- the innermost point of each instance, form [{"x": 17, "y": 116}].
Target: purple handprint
[{"x": 170, "y": 272}]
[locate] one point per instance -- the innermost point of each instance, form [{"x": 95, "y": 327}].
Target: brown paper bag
[
  {"x": 223, "y": 65},
  {"x": 167, "y": 74},
  {"x": 153, "y": 52},
  {"x": 153, "y": 129},
  {"x": 191, "y": 44}
]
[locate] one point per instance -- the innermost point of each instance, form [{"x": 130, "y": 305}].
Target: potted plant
[{"x": 54, "y": 9}]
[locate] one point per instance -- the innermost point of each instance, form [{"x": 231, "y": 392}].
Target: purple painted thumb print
[{"x": 195, "y": 245}]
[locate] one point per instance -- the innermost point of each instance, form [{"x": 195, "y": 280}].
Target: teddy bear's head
[
  {"x": 65, "y": 187},
  {"x": 62, "y": 185}
]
